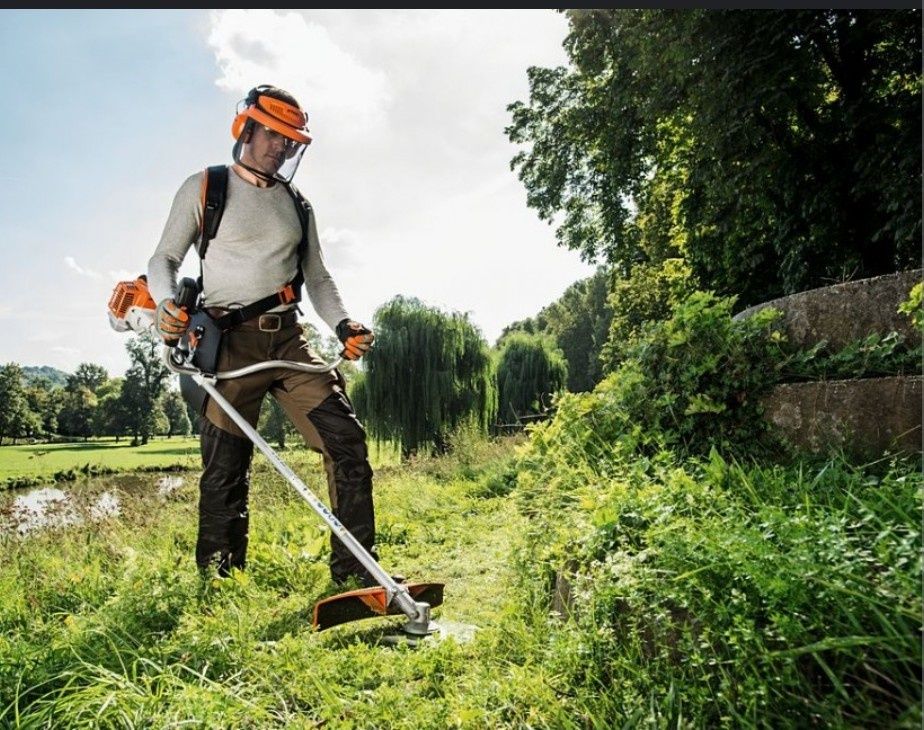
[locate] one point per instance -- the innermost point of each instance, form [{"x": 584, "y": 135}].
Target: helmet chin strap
[{"x": 259, "y": 173}]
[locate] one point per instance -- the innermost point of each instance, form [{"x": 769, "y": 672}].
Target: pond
[{"x": 27, "y": 510}]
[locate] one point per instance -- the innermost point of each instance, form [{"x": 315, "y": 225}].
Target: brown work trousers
[{"x": 318, "y": 407}]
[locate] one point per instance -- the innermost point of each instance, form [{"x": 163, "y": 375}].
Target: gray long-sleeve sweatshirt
[{"x": 253, "y": 254}]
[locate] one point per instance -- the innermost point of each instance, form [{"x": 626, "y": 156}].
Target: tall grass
[
  {"x": 730, "y": 593},
  {"x": 706, "y": 592}
]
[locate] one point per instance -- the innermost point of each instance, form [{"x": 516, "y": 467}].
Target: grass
[
  {"x": 707, "y": 593},
  {"x": 44, "y": 460},
  {"x": 729, "y": 593},
  {"x": 111, "y": 627}
]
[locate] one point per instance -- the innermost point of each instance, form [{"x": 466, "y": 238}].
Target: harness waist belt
[{"x": 264, "y": 322}]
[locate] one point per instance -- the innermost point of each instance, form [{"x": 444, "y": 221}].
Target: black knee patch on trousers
[
  {"x": 223, "y": 491},
  {"x": 345, "y": 442}
]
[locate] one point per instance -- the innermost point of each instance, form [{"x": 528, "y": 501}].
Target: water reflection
[{"x": 24, "y": 511}]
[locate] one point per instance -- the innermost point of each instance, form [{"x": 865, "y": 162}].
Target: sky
[{"x": 107, "y": 112}]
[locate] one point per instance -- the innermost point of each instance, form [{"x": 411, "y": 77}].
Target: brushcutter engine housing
[{"x": 131, "y": 307}]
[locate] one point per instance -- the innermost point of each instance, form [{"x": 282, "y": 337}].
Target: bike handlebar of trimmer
[{"x": 186, "y": 369}]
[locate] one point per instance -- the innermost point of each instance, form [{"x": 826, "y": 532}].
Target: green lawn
[{"x": 39, "y": 460}]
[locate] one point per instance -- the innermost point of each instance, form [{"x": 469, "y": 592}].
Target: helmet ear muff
[
  {"x": 237, "y": 126},
  {"x": 254, "y": 94}
]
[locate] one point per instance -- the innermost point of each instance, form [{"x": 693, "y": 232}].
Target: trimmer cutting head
[{"x": 370, "y": 602}]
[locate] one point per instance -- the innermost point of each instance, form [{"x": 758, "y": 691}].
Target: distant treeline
[{"x": 36, "y": 404}]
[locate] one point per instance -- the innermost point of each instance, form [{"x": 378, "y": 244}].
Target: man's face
[{"x": 267, "y": 149}]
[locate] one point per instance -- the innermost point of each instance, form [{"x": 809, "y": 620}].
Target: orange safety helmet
[
  {"x": 278, "y": 111},
  {"x": 286, "y": 118}
]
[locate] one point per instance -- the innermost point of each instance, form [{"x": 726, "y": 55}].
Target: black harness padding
[{"x": 213, "y": 206}]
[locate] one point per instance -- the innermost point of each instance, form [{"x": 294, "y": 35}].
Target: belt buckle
[{"x": 270, "y": 328}]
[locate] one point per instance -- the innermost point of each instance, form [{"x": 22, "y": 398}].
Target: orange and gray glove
[
  {"x": 356, "y": 339},
  {"x": 170, "y": 321}
]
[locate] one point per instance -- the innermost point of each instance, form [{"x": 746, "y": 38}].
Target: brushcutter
[{"x": 132, "y": 308}]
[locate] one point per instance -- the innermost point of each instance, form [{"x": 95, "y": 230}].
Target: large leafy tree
[
  {"x": 80, "y": 401},
  {"x": 144, "y": 383},
  {"x": 78, "y": 410},
  {"x": 44, "y": 400},
  {"x": 89, "y": 375},
  {"x": 429, "y": 373},
  {"x": 274, "y": 424},
  {"x": 175, "y": 413},
  {"x": 16, "y": 419},
  {"x": 783, "y": 145},
  {"x": 110, "y": 417}
]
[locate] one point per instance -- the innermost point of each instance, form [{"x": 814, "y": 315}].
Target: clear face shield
[{"x": 268, "y": 152}]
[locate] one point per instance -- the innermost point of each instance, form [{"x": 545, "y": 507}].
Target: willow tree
[
  {"x": 578, "y": 322},
  {"x": 428, "y": 373},
  {"x": 530, "y": 370}
]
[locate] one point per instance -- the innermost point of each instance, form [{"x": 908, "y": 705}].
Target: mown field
[
  {"x": 44, "y": 460},
  {"x": 27, "y": 465}
]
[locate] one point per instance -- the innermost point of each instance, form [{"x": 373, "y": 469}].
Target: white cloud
[
  {"x": 341, "y": 247},
  {"x": 262, "y": 46},
  {"x": 120, "y": 275},
  {"x": 66, "y": 350},
  {"x": 72, "y": 264},
  {"x": 409, "y": 172}
]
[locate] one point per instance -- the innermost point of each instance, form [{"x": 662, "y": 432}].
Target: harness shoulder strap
[
  {"x": 212, "y": 192},
  {"x": 303, "y": 208}
]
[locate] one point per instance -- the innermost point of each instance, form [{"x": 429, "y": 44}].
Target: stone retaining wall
[
  {"x": 865, "y": 417},
  {"x": 844, "y": 313},
  {"x": 862, "y": 416}
]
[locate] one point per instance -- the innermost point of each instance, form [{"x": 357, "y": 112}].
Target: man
[{"x": 256, "y": 253}]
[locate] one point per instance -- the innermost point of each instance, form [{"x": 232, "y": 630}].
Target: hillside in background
[{"x": 34, "y": 372}]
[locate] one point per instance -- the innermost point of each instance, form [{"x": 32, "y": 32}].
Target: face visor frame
[{"x": 285, "y": 129}]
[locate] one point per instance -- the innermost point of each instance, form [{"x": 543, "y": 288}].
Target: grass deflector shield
[{"x": 370, "y": 602}]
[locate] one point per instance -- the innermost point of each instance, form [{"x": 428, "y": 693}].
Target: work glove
[
  {"x": 356, "y": 339},
  {"x": 170, "y": 320}
]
